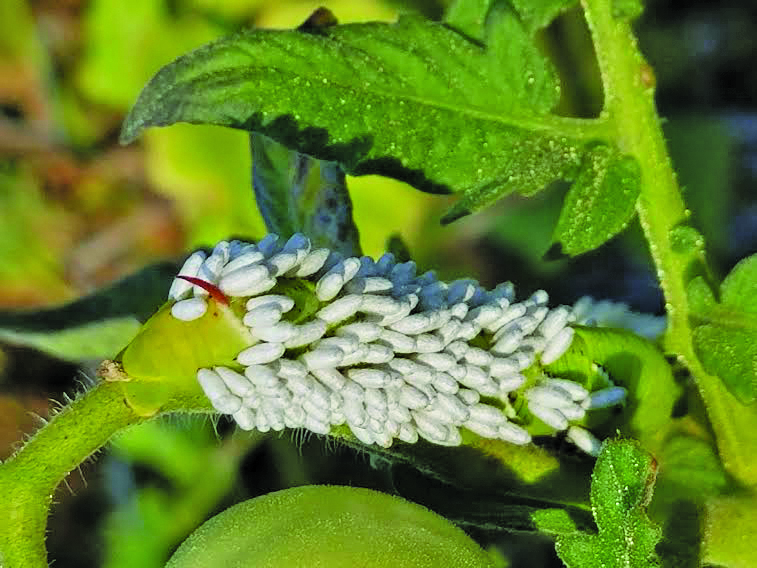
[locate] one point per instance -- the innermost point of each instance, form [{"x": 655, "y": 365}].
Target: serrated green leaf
[
  {"x": 413, "y": 100},
  {"x": 621, "y": 488},
  {"x": 96, "y": 326},
  {"x": 725, "y": 332},
  {"x": 297, "y": 193},
  {"x": 600, "y": 202},
  {"x": 513, "y": 54},
  {"x": 537, "y": 163}
]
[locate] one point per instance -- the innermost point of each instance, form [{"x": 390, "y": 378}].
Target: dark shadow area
[{"x": 681, "y": 546}]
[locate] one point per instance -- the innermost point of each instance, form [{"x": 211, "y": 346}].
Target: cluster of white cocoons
[{"x": 388, "y": 353}]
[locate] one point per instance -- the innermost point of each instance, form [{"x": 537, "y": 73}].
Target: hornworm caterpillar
[{"x": 322, "y": 342}]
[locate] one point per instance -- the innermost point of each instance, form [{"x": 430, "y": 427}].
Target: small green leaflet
[
  {"x": 621, "y": 488},
  {"x": 414, "y": 100},
  {"x": 627, "y": 9},
  {"x": 600, "y": 203},
  {"x": 725, "y": 331},
  {"x": 538, "y": 15}
]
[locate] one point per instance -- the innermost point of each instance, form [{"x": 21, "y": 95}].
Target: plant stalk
[
  {"x": 29, "y": 478},
  {"x": 629, "y": 105}
]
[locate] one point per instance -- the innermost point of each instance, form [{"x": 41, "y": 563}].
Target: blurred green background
[{"x": 78, "y": 211}]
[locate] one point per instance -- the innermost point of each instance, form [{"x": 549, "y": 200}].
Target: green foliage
[
  {"x": 621, "y": 487},
  {"x": 725, "y": 330},
  {"x": 96, "y": 340},
  {"x": 627, "y": 9},
  {"x": 553, "y": 521},
  {"x": 361, "y": 94},
  {"x": 470, "y": 16},
  {"x": 600, "y": 203},
  {"x": 538, "y": 15}
]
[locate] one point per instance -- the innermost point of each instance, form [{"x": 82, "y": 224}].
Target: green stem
[
  {"x": 29, "y": 478},
  {"x": 629, "y": 105}
]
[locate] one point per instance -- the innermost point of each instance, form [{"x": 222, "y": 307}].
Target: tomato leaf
[
  {"x": 414, "y": 100},
  {"x": 725, "y": 331},
  {"x": 600, "y": 203},
  {"x": 621, "y": 488}
]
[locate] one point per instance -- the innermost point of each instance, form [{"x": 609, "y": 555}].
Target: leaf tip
[{"x": 130, "y": 130}]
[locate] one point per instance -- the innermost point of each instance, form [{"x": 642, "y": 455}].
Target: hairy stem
[
  {"x": 29, "y": 478},
  {"x": 629, "y": 105}
]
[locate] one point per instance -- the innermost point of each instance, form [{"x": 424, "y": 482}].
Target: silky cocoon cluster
[{"x": 386, "y": 352}]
